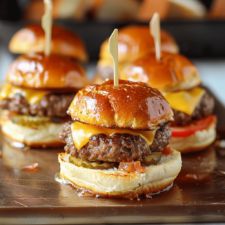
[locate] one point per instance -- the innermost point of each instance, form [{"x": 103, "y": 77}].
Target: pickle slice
[
  {"x": 91, "y": 165},
  {"x": 30, "y": 121},
  {"x": 153, "y": 158},
  {"x": 149, "y": 160}
]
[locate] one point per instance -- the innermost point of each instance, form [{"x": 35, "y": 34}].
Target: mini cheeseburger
[
  {"x": 194, "y": 125},
  {"x": 35, "y": 98},
  {"x": 133, "y": 43},
  {"x": 116, "y": 145},
  {"x": 32, "y": 39}
]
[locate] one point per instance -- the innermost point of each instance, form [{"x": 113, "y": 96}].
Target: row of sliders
[
  {"x": 119, "y": 142},
  {"x": 117, "y": 133},
  {"x": 174, "y": 75},
  {"x": 39, "y": 88}
]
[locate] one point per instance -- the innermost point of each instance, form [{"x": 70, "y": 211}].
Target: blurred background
[
  {"x": 114, "y": 10},
  {"x": 197, "y": 25}
]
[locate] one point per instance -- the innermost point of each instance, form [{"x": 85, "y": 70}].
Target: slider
[
  {"x": 63, "y": 42},
  {"x": 35, "y": 97},
  {"x": 41, "y": 83},
  {"x": 133, "y": 43},
  {"x": 117, "y": 141},
  {"x": 194, "y": 125}
]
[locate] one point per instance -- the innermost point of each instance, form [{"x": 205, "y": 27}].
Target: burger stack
[
  {"x": 133, "y": 43},
  {"x": 39, "y": 88},
  {"x": 194, "y": 125},
  {"x": 117, "y": 142}
]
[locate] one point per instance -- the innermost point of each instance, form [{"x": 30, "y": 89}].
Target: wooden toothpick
[
  {"x": 113, "y": 49},
  {"x": 154, "y": 27},
  {"x": 47, "y": 26}
]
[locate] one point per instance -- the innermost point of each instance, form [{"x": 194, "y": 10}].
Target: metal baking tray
[
  {"x": 198, "y": 194},
  {"x": 34, "y": 197}
]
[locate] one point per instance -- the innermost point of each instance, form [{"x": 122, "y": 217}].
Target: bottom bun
[
  {"x": 43, "y": 136},
  {"x": 196, "y": 142},
  {"x": 121, "y": 184}
]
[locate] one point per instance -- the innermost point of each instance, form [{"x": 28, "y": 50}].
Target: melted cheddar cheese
[
  {"x": 185, "y": 101},
  {"x": 32, "y": 96},
  {"x": 82, "y": 132}
]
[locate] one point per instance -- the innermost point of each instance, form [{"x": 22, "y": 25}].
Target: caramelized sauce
[
  {"x": 167, "y": 151},
  {"x": 31, "y": 168}
]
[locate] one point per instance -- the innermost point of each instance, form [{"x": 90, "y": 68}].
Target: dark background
[{"x": 196, "y": 38}]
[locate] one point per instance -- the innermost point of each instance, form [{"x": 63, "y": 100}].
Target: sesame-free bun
[
  {"x": 46, "y": 72},
  {"x": 32, "y": 39},
  {"x": 136, "y": 41},
  {"x": 131, "y": 105},
  {"x": 43, "y": 136},
  {"x": 173, "y": 72},
  {"x": 195, "y": 142},
  {"x": 133, "y": 42},
  {"x": 121, "y": 184}
]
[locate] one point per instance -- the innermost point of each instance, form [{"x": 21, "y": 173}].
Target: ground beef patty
[
  {"x": 204, "y": 108},
  {"x": 116, "y": 148},
  {"x": 51, "y": 105}
]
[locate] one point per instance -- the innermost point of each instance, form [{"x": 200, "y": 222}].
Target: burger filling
[
  {"x": 201, "y": 109},
  {"x": 107, "y": 150},
  {"x": 34, "y": 103}
]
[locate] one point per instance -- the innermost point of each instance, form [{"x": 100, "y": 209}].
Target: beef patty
[
  {"x": 116, "y": 148},
  {"x": 204, "y": 108},
  {"x": 51, "y": 105}
]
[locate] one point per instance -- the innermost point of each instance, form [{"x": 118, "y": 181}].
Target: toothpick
[
  {"x": 113, "y": 49},
  {"x": 47, "y": 25},
  {"x": 154, "y": 27}
]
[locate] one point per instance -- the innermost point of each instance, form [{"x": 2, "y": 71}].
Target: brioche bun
[
  {"x": 104, "y": 70},
  {"x": 130, "y": 105},
  {"x": 43, "y": 136},
  {"x": 135, "y": 42},
  {"x": 195, "y": 142},
  {"x": 32, "y": 39},
  {"x": 173, "y": 72},
  {"x": 121, "y": 184},
  {"x": 46, "y": 72}
]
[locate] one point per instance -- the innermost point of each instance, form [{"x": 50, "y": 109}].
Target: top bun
[
  {"x": 32, "y": 39},
  {"x": 38, "y": 71},
  {"x": 173, "y": 72},
  {"x": 131, "y": 105},
  {"x": 136, "y": 41}
]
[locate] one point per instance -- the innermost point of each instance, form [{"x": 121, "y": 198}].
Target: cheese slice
[
  {"x": 32, "y": 96},
  {"x": 185, "y": 101},
  {"x": 82, "y": 132}
]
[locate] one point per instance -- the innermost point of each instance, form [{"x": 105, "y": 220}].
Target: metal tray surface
[{"x": 34, "y": 197}]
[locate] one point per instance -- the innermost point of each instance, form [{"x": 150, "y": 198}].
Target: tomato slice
[{"x": 186, "y": 131}]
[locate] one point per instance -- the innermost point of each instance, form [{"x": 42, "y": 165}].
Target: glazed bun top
[
  {"x": 136, "y": 41},
  {"x": 32, "y": 39},
  {"x": 173, "y": 72},
  {"x": 131, "y": 105},
  {"x": 38, "y": 71}
]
